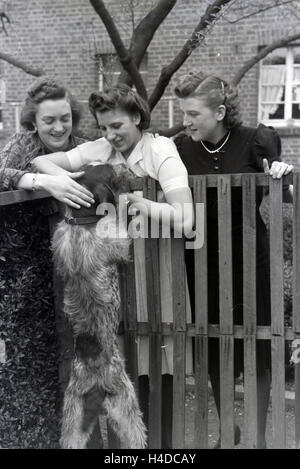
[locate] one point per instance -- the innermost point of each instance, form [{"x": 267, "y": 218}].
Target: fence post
[
  {"x": 296, "y": 297},
  {"x": 129, "y": 314},
  {"x": 277, "y": 314},
  {"x": 179, "y": 337},
  {"x": 249, "y": 300},
  {"x": 155, "y": 337},
  {"x": 226, "y": 314},
  {"x": 201, "y": 325}
]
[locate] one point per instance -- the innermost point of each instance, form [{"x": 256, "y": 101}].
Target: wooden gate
[{"x": 144, "y": 275}]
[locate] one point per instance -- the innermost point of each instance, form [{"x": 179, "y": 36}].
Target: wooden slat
[
  {"x": 249, "y": 311},
  {"x": 225, "y": 255},
  {"x": 226, "y": 314},
  {"x": 155, "y": 338},
  {"x": 278, "y": 393},
  {"x": 179, "y": 348},
  {"x": 236, "y": 179},
  {"x": 296, "y": 254},
  {"x": 201, "y": 391},
  {"x": 200, "y": 255},
  {"x": 263, "y": 332},
  {"x": 297, "y": 406},
  {"x": 129, "y": 313},
  {"x": 226, "y": 391},
  {"x": 140, "y": 279},
  {"x": 212, "y": 180},
  {"x": 18, "y": 196},
  {"x": 296, "y": 296},
  {"x": 277, "y": 314},
  {"x": 201, "y": 324}
]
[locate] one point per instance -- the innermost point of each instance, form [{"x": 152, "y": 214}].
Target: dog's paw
[{"x": 72, "y": 442}]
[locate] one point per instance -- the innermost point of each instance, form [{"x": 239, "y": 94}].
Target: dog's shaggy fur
[{"x": 98, "y": 381}]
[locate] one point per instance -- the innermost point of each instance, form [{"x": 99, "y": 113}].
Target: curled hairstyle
[
  {"x": 42, "y": 89},
  {"x": 215, "y": 91},
  {"x": 124, "y": 98}
]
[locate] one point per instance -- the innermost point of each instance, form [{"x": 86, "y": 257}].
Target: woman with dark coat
[{"x": 217, "y": 143}]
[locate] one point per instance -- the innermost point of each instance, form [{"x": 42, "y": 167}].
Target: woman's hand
[
  {"x": 131, "y": 199},
  {"x": 66, "y": 190},
  {"x": 177, "y": 211},
  {"x": 278, "y": 168}
]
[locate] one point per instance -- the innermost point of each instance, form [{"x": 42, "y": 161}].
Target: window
[
  {"x": 110, "y": 68},
  {"x": 279, "y": 90}
]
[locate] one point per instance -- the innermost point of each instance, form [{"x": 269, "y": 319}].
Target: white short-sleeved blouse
[
  {"x": 147, "y": 159},
  {"x": 157, "y": 157}
]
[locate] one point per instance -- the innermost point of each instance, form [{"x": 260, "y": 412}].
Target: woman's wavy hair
[
  {"x": 47, "y": 88},
  {"x": 215, "y": 91},
  {"x": 124, "y": 98}
]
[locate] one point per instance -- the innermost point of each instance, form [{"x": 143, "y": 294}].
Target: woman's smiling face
[
  {"x": 201, "y": 121},
  {"x": 120, "y": 129},
  {"x": 53, "y": 121}
]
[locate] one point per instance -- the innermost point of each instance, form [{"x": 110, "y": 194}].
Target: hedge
[{"x": 29, "y": 378}]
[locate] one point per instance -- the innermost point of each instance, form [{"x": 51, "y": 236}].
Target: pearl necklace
[{"x": 217, "y": 149}]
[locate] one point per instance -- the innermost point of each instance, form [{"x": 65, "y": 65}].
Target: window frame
[{"x": 287, "y": 121}]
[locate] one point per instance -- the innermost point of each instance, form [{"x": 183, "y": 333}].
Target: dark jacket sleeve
[{"x": 267, "y": 144}]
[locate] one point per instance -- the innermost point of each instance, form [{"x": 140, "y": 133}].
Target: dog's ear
[
  {"x": 103, "y": 193},
  {"x": 122, "y": 179}
]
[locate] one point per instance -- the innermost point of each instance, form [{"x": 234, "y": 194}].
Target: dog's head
[
  {"x": 106, "y": 182},
  {"x": 108, "y": 241}
]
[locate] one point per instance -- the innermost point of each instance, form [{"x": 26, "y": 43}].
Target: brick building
[{"x": 67, "y": 39}]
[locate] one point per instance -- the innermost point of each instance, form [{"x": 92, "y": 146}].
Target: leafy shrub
[{"x": 29, "y": 378}]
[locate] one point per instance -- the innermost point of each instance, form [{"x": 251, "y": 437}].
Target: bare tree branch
[
  {"x": 37, "y": 72},
  {"x": 4, "y": 19},
  {"x": 144, "y": 32},
  {"x": 123, "y": 54},
  {"x": 261, "y": 55},
  {"x": 191, "y": 44},
  {"x": 132, "y": 13},
  {"x": 259, "y": 10}
]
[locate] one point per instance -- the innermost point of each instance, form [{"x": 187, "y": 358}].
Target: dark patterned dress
[
  {"x": 16, "y": 156},
  {"x": 243, "y": 153}
]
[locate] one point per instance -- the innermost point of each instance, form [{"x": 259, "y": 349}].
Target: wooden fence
[{"x": 142, "y": 290}]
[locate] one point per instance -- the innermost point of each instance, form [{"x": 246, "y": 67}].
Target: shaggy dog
[{"x": 87, "y": 262}]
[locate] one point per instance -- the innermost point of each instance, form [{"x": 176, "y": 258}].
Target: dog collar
[{"x": 83, "y": 220}]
